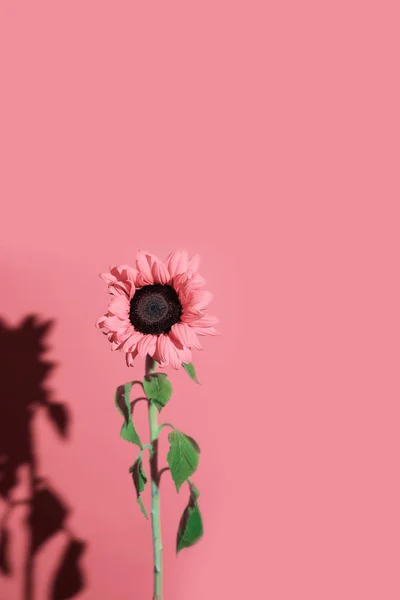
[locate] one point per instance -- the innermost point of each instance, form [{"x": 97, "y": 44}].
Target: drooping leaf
[
  {"x": 58, "y": 415},
  {"x": 138, "y": 475},
  {"x": 191, "y": 525},
  {"x": 47, "y": 517},
  {"x": 69, "y": 580},
  {"x": 158, "y": 389},
  {"x": 129, "y": 433},
  {"x": 183, "y": 457},
  {"x": 122, "y": 402},
  {"x": 194, "y": 444},
  {"x": 5, "y": 566},
  {"x": 142, "y": 507},
  {"x": 190, "y": 529},
  {"x": 190, "y": 370},
  {"x": 139, "y": 479}
]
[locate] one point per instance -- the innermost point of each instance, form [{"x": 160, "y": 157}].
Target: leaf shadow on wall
[{"x": 23, "y": 393}]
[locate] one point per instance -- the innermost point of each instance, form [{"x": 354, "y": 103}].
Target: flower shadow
[{"x": 23, "y": 392}]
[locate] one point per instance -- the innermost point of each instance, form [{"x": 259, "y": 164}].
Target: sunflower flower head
[{"x": 157, "y": 308}]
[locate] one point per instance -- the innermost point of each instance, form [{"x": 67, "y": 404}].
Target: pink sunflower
[{"x": 158, "y": 308}]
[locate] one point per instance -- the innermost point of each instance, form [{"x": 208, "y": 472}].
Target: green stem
[{"x": 155, "y": 491}]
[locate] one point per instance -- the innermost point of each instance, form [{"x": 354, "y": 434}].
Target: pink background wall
[{"x": 264, "y": 135}]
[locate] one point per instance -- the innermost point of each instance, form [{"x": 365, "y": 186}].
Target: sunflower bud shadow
[{"x": 23, "y": 392}]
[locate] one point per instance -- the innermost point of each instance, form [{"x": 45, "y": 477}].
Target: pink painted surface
[{"x": 266, "y": 137}]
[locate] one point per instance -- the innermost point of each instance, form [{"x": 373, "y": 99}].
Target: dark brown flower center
[{"x": 154, "y": 309}]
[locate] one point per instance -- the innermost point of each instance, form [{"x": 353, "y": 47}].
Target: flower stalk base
[{"x": 155, "y": 491}]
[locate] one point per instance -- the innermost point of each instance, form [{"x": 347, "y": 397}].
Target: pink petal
[
  {"x": 186, "y": 285},
  {"x": 130, "y": 357},
  {"x": 130, "y": 288},
  {"x": 124, "y": 273},
  {"x": 147, "y": 345},
  {"x": 175, "y": 336},
  {"x": 117, "y": 289},
  {"x": 176, "y": 362},
  {"x": 115, "y": 341},
  {"x": 194, "y": 263},
  {"x": 119, "y": 306},
  {"x": 160, "y": 272},
  {"x": 145, "y": 276},
  {"x": 200, "y": 299},
  {"x": 115, "y": 345},
  {"x": 164, "y": 349},
  {"x": 100, "y": 322},
  {"x": 197, "y": 281},
  {"x": 194, "y": 341},
  {"x": 108, "y": 277},
  {"x": 115, "y": 324},
  {"x": 190, "y": 314},
  {"x": 184, "y": 290},
  {"x": 184, "y": 355},
  {"x": 130, "y": 343},
  {"x": 205, "y": 321},
  {"x": 122, "y": 336},
  {"x": 185, "y": 335},
  {"x": 177, "y": 262},
  {"x": 122, "y": 288},
  {"x": 179, "y": 280},
  {"x": 174, "y": 359},
  {"x": 206, "y": 331}
]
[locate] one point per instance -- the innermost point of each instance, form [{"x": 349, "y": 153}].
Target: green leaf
[
  {"x": 138, "y": 475},
  {"x": 122, "y": 402},
  {"x": 142, "y": 507},
  {"x": 158, "y": 389},
  {"x": 190, "y": 370},
  {"x": 183, "y": 457},
  {"x": 191, "y": 525},
  {"x": 139, "y": 479},
  {"x": 129, "y": 433}
]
